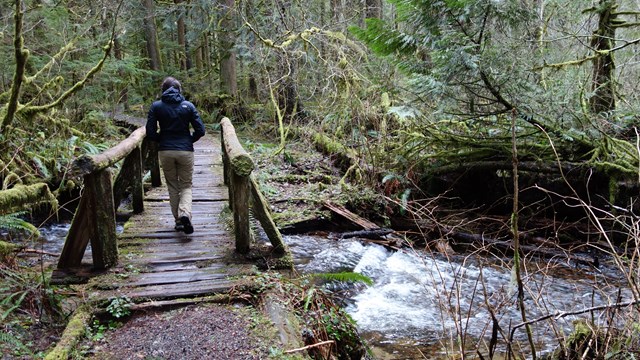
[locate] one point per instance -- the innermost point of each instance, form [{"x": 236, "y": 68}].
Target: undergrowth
[
  {"x": 320, "y": 318},
  {"x": 30, "y": 310}
]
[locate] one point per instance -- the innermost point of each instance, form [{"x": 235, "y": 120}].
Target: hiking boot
[
  {"x": 186, "y": 223},
  {"x": 179, "y": 227}
]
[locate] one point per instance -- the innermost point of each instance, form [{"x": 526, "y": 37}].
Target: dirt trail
[{"x": 207, "y": 331}]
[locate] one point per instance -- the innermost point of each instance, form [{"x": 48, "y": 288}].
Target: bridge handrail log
[
  {"x": 238, "y": 165},
  {"x": 95, "y": 218}
]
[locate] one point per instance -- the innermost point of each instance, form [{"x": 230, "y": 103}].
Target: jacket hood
[{"x": 172, "y": 96}]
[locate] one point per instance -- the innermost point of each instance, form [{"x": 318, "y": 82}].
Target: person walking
[{"x": 175, "y": 151}]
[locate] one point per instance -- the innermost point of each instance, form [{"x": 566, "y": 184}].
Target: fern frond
[
  {"x": 89, "y": 148},
  {"x": 41, "y": 167},
  {"x": 14, "y": 342},
  {"x": 15, "y": 304},
  {"x": 13, "y": 222}
]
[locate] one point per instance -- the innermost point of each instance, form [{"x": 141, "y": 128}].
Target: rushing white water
[{"x": 418, "y": 296}]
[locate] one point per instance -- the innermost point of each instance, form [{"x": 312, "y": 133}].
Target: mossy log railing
[
  {"x": 95, "y": 218},
  {"x": 238, "y": 166}
]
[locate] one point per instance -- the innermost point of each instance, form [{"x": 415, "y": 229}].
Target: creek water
[
  {"x": 52, "y": 236},
  {"x": 421, "y": 303}
]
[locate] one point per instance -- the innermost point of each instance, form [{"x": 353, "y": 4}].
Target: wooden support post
[
  {"x": 263, "y": 214},
  {"x": 154, "y": 164},
  {"x": 102, "y": 218},
  {"x": 225, "y": 160},
  {"x": 225, "y": 170},
  {"x": 78, "y": 236},
  {"x": 130, "y": 177},
  {"x": 137, "y": 190},
  {"x": 95, "y": 218},
  {"x": 240, "y": 189}
]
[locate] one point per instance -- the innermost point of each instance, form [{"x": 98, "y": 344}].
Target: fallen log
[
  {"x": 24, "y": 196},
  {"x": 351, "y": 217},
  {"x": 387, "y": 237},
  {"x": 369, "y": 234},
  {"x": 75, "y": 330}
]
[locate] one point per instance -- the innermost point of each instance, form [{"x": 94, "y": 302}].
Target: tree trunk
[
  {"x": 21, "y": 55},
  {"x": 183, "y": 55},
  {"x": 603, "y": 84},
  {"x": 337, "y": 13},
  {"x": 373, "y": 9},
  {"x": 538, "y": 43},
  {"x": 123, "y": 94},
  {"x": 151, "y": 36},
  {"x": 228, "y": 80}
]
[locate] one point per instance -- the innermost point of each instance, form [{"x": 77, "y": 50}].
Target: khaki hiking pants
[{"x": 178, "y": 173}]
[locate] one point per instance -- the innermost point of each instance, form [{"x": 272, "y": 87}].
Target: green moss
[
  {"x": 328, "y": 145},
  {"x": 24, "y": 196},
  {"x": 6, "y": 249},
  {"x": 242, "y": 165},
  {"x": 74, "y": 331}
]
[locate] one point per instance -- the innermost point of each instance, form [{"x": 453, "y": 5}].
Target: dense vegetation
[{"x": 523, "y": 111}]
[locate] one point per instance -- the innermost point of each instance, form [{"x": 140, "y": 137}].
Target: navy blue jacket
[{"x": 174, "y": 114}]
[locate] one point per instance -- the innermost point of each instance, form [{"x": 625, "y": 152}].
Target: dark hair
[{"x": 169, "y": 82}]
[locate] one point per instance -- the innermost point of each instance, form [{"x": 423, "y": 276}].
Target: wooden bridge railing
[
  {"x": 95, "y": 218},
  {"x": 238, "y": 166}
]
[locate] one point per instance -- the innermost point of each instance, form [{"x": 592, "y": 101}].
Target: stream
[{"x": 420, "y": 303}]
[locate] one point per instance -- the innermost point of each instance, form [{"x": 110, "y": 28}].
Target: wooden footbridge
[{"x": 149, "y": 259}]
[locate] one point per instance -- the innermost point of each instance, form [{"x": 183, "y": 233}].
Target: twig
[
  {"x": 309, "y": 346},
  {"x": 36, "y": 251},
  {"x": 560, "y": 314}
]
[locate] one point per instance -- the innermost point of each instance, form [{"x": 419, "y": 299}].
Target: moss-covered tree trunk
[
  {"x": 21, "y": 56},
  {"x": 24, "y": 196},
  {"x": 603, "y": 83}
]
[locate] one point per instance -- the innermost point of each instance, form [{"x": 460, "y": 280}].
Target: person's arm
[
  {"x": 198, "y": 125},
  {"x": 152, "y": 125}
]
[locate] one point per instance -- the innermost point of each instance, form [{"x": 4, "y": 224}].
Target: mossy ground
[{"x": 298, "y": 180}]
